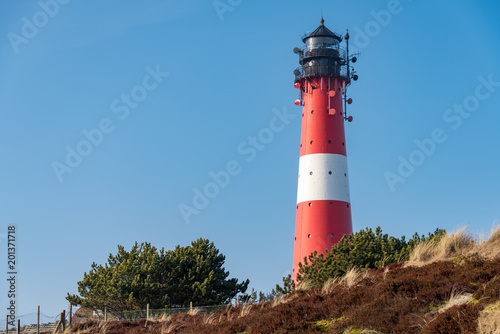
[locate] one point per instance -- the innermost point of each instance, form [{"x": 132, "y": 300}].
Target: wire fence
[
  {"x": 32, "y": 329},
  {"x": 28, "y": 322},
  {"x": 87, "y": 315}
]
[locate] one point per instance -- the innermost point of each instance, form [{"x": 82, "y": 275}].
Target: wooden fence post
[
  {"x": 105, "y": 313},
  {"x": 147, "y": 312},
  {"x": 7, "y": 325},
  {"x": 59, "y": 322},
  {"x": 38, "y": 320},
  {"x": 70, "y": 314},
  {"x": 63, "y": 319},
  {"x": 18, "y": 326}
]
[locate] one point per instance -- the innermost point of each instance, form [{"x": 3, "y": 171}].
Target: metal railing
[{"x": 313, "y": 71}]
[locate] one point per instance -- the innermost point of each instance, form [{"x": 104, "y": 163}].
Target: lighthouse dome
[
  {"x": 322, "y": 35},
  {"x": 322, "y": 54}
]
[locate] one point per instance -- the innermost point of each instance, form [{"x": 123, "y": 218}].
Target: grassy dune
[{"x": 449, "y": 287}]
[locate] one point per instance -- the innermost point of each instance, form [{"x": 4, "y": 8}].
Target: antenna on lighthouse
[{"x": 346, "y": 37}]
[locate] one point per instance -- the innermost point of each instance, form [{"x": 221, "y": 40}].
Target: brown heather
[{"x": 452, "y": 286}]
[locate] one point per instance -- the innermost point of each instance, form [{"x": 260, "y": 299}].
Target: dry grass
[
  {"x": 456, "y": 299},
  {"x": 353, "y": 277},
  {"x": 489, "y": 320},
  {"x": 245, "y": 310},
  {"x": 386, "y": 271},
  {"x": 281, "y": 300},
  {"x": 448, "y": 247},
  {"x": 230, "y": 316},
  {"x": 350, "y": 279},
  {"x": 164, "y": 318},
  {"x": 84, "y": 328},
  {"x": 456, "y": 245},
  {"x": 193, "y": 311},
  {"x": 168, "y": 329},
  {"x": 422, "y": 254},
  {"x": 329, "y": 285},
  {"x": 491, "y": 247},
  {"x": 103, "y": 327},
  {"x": 304, "y": 285},
  {"x": 276, "y": 301},
  {"x": 209, "y": 319}
]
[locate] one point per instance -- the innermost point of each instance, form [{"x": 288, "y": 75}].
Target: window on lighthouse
[{"x": 321, "y": 42}]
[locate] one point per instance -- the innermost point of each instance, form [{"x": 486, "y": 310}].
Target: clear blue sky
[{"x": 226, "y": 75}]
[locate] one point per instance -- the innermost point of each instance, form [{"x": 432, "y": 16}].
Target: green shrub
[
  {"x": 145, "y": 275},
  {"x": 362, "y": 250}
]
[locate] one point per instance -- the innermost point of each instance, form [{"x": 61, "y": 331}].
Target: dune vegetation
[{"x": 449, "y": 284}]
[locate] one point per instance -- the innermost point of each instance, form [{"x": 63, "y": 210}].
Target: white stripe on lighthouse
[{"x": 317, "y": 183}]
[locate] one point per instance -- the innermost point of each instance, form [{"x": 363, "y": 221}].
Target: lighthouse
[{"x": 323, "y": 201}]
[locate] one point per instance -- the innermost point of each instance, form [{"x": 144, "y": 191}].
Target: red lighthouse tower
[{"x": 323, "y": 201}]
